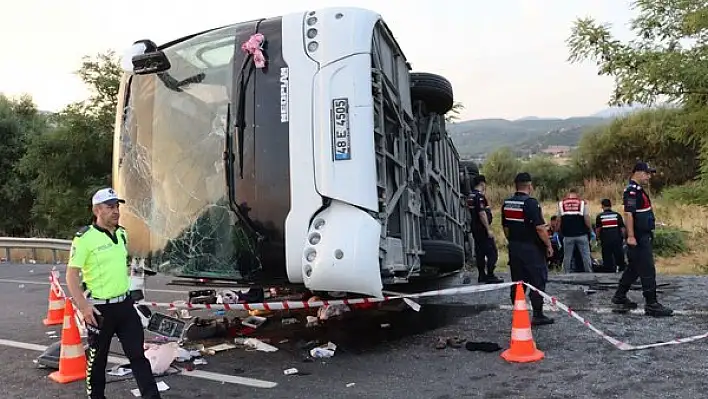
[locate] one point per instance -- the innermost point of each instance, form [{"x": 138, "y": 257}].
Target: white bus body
[{"x": 328, "y": 166}]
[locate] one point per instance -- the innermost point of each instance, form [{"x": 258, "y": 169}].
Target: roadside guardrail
[{"x": 55, "y": 245}]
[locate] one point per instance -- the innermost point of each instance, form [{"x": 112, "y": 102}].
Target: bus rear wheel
[{"x": 434, "y": 90}]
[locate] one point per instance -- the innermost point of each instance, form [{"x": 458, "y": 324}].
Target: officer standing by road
[
  {"x": 610, "y": 230},
  {"x": 99, "y": 252},
  {"x": 529, "y": 244},
  {"x": 575, "y": 227},
  {"x": 640, "y": 223},
  {"x": 485, "y": 247}
]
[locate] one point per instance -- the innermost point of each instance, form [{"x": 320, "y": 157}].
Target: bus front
[{"x": 246, "y": 153}]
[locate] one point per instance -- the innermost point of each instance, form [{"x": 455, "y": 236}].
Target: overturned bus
[{"x": 291, "y": 150}]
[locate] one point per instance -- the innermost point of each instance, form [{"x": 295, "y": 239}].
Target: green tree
[
  {"x": 608, "y": 152},
  {"x": 550, "y": 179},
  {"x": 454, "y": 114},
  {"x": 501, "y": 166},
  {"x": 74, "y": 159},
  {"x": 666, "y": 60},
  {"x": 19, "y": 122}
]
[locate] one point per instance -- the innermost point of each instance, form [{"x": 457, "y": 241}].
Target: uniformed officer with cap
[
  {"x": 640, "y": 224},
  {"x": 99, "y": 252},
  {"x": 529, "y": 244}
]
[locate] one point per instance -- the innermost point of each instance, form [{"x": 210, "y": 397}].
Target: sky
[{"x": 505, "y": 58}]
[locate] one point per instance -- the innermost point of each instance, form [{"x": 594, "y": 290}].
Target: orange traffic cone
[
  {"x": 72, "y": 359},
  {"x": 522, "y": 348},
  {"x": 55, "y": 313}
]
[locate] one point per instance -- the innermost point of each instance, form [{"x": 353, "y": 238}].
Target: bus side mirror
[
  {"x": 148, "y": 63},
  {"x": 144, "y": 58}
]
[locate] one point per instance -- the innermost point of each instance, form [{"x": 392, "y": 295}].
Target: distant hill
[
  {"x": 528, "y": 135},
  {"x": 476, "y": 138}
]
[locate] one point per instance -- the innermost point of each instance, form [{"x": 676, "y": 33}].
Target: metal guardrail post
[{"x": 33, "y": 244}]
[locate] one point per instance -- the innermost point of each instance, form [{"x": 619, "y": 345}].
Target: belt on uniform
[{"x": 117, "y": 299}]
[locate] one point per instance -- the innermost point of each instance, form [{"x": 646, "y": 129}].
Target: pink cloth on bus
[{"x": 254, "y": 46}]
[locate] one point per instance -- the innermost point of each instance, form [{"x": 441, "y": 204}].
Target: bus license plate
[{"x": 341, "y": 140}]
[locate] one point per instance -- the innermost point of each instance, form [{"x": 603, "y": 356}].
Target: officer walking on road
[
  {"x": 485, "y": 247},
  {"x": 529, "y": 244},
  {"x": 99, "y": 252},
  {"x": 640, "y": 223},
  {"x": 610, "y": 230}
]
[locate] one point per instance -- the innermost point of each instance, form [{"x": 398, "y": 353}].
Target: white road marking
[
  {"x": 12, "y": 281},
  {"x": 205, "y": 375},
  {"x": 208, "y": 375},
  {"x": 23, "y": 345}
]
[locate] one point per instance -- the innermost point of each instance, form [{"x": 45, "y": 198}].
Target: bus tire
[
  {"x": 434, "y": 90},
  {"x": 444, "y": 255}
]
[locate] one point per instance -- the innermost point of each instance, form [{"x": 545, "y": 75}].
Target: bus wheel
[
  {"x": 444, "y": 255},
  {"x": 434, "y": 90}
]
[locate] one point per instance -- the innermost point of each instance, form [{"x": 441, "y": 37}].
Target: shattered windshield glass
[{"x": 170, "y": 165}]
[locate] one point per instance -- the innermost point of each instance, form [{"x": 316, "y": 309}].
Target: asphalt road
[{"x": 400, "y": 361}]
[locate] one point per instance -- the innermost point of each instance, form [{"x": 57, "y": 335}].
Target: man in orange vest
[{"x": 575, "y": 227}]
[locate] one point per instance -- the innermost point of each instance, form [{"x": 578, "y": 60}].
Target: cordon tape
[{"x": 291, "y": 305}]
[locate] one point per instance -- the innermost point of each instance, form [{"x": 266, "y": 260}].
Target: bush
[
  {"x": 551, "y": 180},
  {"x": 669, "y": 241},
  {"x": 695, "y": 193},
  {"x": 501, "y": 167}
]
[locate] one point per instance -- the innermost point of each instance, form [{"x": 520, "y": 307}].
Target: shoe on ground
[
  {"x": 623, "y": 304},
  {"x": 657, "y": 310},
  {"x": 541, "y": 320},
  {"x": 492, "y": 279}
]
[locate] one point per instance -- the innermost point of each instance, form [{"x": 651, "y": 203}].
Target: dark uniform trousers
[
  {"x": 485, "y": 252},
  {"x": 641, "y": 265},
  {"x": 527, "y": 262},
  {"x": 613, "y": 254},
  {"x": 122, "y": 320}
]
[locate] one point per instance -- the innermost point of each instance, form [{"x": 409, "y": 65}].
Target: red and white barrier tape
[
  {"x": 617, "y": 343},
  {"x": 59, "y": 291},
  {"x": 288, "y": 305}
]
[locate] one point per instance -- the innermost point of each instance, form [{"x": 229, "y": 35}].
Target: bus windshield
[{"x": 170, "y": 165}]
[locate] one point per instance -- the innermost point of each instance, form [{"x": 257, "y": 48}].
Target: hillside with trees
[{"x": 475, "y": 138}]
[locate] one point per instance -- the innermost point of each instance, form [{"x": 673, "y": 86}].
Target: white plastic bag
[{"x": 162, "y": 356}]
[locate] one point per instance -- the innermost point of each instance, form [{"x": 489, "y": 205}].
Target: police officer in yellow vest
[{"x": 99, "y": 252}]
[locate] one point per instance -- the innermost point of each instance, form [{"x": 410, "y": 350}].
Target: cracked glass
[{"x": 170, "y": 166}]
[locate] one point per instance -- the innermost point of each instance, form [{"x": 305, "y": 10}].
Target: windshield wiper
[
  {"x": 229, "y": 173},
  {"x": 243, "y": 79},
  {"x": 176, "y": 85}
]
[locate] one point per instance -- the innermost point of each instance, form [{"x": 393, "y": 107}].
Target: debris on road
[
  {"x": 290, "y": 371},
  {"x": 119, "y": 371},
  {"x": 161, "y": 386},
  {"x": 257, "y": 344},
  {"x": 483, "y": 346},
  {"x": 324, "y": 351},
  {"x": 161, "y": 356},
  {"x": 330, "y": 311}
]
